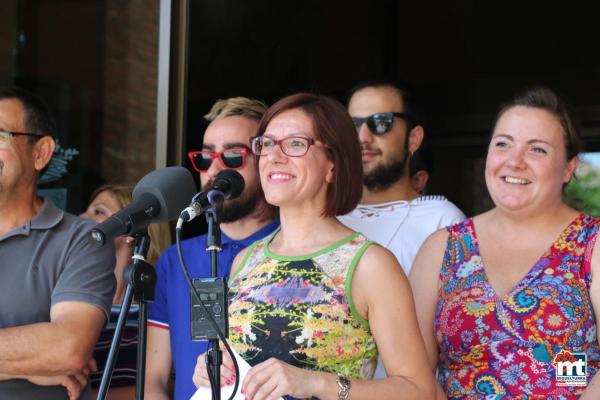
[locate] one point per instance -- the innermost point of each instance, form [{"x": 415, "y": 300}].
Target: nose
[
  {"x": 364, "y": 134},
  {"x": 215, "y": 167},
  {"x": 276, "y": 154},
  {"x": 516, "y": 159}
]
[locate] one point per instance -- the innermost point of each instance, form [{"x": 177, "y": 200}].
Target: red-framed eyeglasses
[{"x": 234, "y": 158}]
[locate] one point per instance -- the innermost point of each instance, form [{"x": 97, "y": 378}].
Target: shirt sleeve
[{"x": 87, "y": 273}]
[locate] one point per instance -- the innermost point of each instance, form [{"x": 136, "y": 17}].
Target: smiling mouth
[
  {"x": 517, "y": 181},
  {"x": 280, "y": 176}
]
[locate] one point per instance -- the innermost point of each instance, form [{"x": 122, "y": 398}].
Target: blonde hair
[
  {"x": 236, "y": 106},
  {"x": 160, "y": 234}
]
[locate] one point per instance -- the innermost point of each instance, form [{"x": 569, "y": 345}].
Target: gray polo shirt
[{"x": 42, "y": 263}]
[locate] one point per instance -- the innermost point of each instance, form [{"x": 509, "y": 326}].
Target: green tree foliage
[{"x": 583, "y": 192}]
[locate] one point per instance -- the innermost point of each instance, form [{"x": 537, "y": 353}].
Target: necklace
[{"x": 375, "y": 211}]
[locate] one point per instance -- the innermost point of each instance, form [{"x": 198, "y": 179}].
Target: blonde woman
[{"x": 104, "y": 202}]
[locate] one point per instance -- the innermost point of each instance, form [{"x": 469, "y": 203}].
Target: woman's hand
[
  {"x": 273, "y": 379},
  {"x": 200, "y": 377}
]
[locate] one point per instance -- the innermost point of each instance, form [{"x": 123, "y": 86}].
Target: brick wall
[{"x": 130, "y": 75}]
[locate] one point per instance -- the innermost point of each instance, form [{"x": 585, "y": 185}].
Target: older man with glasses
[
  {"x": 391, "y": 212},
  {"x": 55, "y": 290},
  {"x": 226, "y": 145}
]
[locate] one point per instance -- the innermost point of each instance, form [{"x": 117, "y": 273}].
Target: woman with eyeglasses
[
  {"x": 508, "y": 301},
  {"x": 313, "y": 304}
]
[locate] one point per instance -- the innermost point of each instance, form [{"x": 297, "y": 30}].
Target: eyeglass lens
[
  {"x": 291, "y": 146},
  {"x": 5, "y": 139},
  {"x": 230, "y": 158},
  {"x": 377, "y": 123}
]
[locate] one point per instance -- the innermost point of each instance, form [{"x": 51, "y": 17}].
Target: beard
[
  {"x": 241, "y": 207},
  {"x": 383, "y": 175}
]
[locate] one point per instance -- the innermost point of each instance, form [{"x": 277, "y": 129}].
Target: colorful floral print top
[
  {"x": 299, "y": 309},
  {"x": 495, "y": 348}
]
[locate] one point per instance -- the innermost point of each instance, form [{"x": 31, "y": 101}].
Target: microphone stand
[
  {"x": 141, "y": 279},
  {"x": 214, "y": 356},
  {"x": 209, "y": 300}
]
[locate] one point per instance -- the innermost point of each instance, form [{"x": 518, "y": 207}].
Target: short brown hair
[
  {"x": 38, "y": 118},
  {"x": 333, "y": 126},
  {"x": 410, "y": 105},
  {"x": 546, "y": 99}
]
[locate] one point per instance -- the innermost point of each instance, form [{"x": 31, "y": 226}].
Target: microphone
[
  {"x": 228, "y": 184},
  {"x": 157, "y": 197}
]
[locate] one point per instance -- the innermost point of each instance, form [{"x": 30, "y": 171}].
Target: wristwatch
[{"x": 344, "y": 384}]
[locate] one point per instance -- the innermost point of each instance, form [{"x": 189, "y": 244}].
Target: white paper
[{"x": 205, "y": 393}]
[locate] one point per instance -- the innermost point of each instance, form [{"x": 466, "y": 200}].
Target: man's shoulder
[
  {"x": 62, "y": 225},
  {"x": 76, "y": 229},
  {"x": 193, "y": 246},
  {"x": 432, "y": 200},
  {"x": 188, "y": 243},
  {"x": 75, "y": 221},
  {"x": 75, "y": 232},
  {"x": 437, "y": 205},
  {"x": 51, "y": 217}
]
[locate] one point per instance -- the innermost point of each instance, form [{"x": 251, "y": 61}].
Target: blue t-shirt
[{"x": 171, "y": 307}]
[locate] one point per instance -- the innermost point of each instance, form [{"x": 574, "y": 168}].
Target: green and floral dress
[{"x": 299, "y": 309}]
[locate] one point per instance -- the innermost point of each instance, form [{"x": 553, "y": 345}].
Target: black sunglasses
[{"x": 379, "y": 123}]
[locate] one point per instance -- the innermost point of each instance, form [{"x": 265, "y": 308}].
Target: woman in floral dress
[
  {"x": 513, "y": 313},
  {"x": 314, "y": 303}
]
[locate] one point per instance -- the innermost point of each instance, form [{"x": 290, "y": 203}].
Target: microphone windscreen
[
  {"x": 173, "y": 187},
  {"x": 235, "y": 180}
]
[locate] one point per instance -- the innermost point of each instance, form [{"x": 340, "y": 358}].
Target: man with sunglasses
[
  {"x": 55, "y": 289},
  {"x": 391, "y": 212},
  {"x": 244, "y": 220}
]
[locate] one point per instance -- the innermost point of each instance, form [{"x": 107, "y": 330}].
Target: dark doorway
[{"x": 462, "y": 59}]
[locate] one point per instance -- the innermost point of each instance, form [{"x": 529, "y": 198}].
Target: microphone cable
[{"x": 210, "y": 318}]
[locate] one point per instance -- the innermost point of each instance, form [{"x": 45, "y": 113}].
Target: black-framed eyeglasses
[
  {"x": 293, "y": 146},
  {"x": 379, "y": 123},
  {"x": 6, "y": 137},
  {"x": 234, "y": 158}
]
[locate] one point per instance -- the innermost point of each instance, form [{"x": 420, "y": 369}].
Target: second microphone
[{"x": 228, "y": 184}]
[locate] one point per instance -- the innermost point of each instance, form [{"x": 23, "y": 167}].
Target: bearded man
[
  {"x": 243, "y": 220},
  {"x": 391, "y": 212}
]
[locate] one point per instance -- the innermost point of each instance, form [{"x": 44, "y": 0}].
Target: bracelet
[{"x": 344, "y": 384}]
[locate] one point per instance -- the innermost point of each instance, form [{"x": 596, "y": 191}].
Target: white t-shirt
[{"x": 402, "y": 226}]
